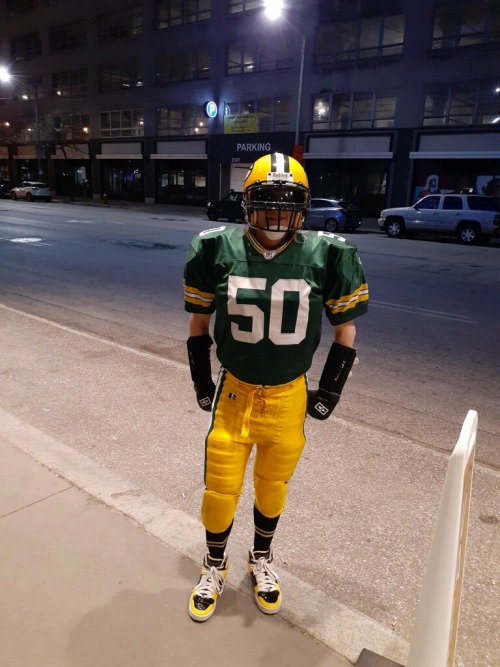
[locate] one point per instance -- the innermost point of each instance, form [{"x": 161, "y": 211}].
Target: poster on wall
[
  {"x": 439, "y": 182},
  {"x": 488, "y": 185},
  {"x": 433, "y": 184}
]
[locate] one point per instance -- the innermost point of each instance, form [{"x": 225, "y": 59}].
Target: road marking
[
  {"x": 455, "y": 317},
  {"x": 26, "y": 240},
  {"x": 30, "y": 240},
  {"x": 35, "y": 222},
  {"x": 94, "y": 222}
]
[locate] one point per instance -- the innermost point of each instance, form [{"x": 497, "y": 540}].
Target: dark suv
[
  {"x": 229, "y": 207},
  {"x": 5, "y": 187}
]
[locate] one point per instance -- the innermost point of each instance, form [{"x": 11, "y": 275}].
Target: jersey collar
[{"x": 267, "y": 254}]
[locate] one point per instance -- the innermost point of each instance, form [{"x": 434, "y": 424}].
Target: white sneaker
[
  {"x": 265, "y": 582},
  {"x": 209, "y": 587}
]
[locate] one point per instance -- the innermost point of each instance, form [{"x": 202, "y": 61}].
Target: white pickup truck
[{"x": 471, "y": 218}]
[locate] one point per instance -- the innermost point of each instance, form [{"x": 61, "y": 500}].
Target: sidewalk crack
[{"x": 36, "y": 502}]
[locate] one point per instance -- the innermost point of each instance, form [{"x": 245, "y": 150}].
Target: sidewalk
[
  {"x": 95, "y": 569},
  {"x": 82, "y": 585}
]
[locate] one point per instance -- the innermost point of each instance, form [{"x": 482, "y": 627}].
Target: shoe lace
[
  {"x": 265, "y": 576},
  {"x": 211, "y": 582}
]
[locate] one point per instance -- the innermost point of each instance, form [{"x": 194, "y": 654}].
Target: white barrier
[{"x": 434, "y": 635}]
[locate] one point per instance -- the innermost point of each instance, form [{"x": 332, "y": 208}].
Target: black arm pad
[
  {"x": 337, "y": 368},
  {"x": 198, "y": 348}
]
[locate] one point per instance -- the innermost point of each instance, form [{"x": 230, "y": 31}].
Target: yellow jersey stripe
[
  {"x": 193, "y": 295},
  {"x": 349, "y": 301},
  {"x": 197, "y": 302}
]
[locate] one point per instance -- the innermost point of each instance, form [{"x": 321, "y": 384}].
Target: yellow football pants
[{"x": 272, "y": 418}]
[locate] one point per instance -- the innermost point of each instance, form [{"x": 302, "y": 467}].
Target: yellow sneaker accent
[
  {"x": 210, "y": 586},
  {"x": 265, "y": 583}
]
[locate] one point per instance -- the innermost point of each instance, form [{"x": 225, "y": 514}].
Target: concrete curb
[{"x": 344, "y": 630}]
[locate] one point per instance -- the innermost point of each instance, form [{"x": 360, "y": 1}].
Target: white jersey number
[{"x": 257, "y": 315}]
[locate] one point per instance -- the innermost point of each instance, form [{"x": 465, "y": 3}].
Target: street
[
  {"x": 428, "y": 348},
  {"x": 90, "y": 366}
]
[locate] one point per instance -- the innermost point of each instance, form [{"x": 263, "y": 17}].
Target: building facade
[{"x": 169, "y": 101}]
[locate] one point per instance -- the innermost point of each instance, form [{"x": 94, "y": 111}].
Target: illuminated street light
[
  {"x": 273, "y": 9},
  {"x": 6, "y": 77}
]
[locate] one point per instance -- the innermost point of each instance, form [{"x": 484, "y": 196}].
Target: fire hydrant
[{"x": 104, "y": 198}]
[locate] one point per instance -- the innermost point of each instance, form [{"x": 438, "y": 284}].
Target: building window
[
  {"x": 246, "y": 58},
  {"x": 185, "y": 66},
  {"x": 73, "y": 83},
  {"x": 187, "y": 120},
  {"x": 80, "y": 126},
  {"x": 376, "y": 37},
  {"x": 462, "y": 104},
  {"x": 25, "y": 47},
  {"x": 70, "y": 127},
  {"x": 274, "y": 114},
  {"x": 354, "y": 111},
  {"x": 176, "y": 12},
  {"x": 29, "y": 88},
  {"x": 236, "y": 6},
  {"x": 115, "y": 25},
  {"x": 120, "y": 77},
  {"x": 22, "y": 6},
  {"x": 67, "y": 36},
  {"x": 465, "y": 23},
  {"x": 124, "y": 123}
]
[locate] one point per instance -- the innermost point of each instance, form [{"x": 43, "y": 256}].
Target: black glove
[
  {"x": 201, "y": 373},
  {"x": 321, "y": 403},
  {"x": 205, "y": 395}
]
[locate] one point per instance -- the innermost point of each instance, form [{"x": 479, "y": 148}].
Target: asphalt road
[
  {"x": 428, "y": 348},
  {"x": 93, "y": 355}
]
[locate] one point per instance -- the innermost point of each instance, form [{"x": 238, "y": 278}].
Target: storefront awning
[
  {"x": 455, "y": 155},
  {"x": 178, "y": 156}
]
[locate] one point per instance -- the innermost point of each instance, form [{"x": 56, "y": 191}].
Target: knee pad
[
  {"x": 270, "y": 497},
  {"x": 217, "y": 510}
]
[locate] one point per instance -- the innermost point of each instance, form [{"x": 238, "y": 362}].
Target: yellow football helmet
[{"x": 276, "y": 182}]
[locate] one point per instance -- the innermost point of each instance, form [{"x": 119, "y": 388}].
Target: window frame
[
  {"x": 344, "y": 111},
  {"x": 122, "y": 123}
]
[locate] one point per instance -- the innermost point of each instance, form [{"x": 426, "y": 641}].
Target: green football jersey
[{"x": 268, "y": 305}]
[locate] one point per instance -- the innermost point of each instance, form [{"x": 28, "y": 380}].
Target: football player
[{"x": 268, "y": 285}]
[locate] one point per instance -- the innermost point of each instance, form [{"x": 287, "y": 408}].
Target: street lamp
[
  {"x": 6, "y": 77},
  {"x": 273, "y": 9}
]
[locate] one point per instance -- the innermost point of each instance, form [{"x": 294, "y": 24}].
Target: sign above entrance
[
  {"x": 241, "y": 124},
  {"x": 210, "y": 109},
  {"x": 246, "y": 148}
]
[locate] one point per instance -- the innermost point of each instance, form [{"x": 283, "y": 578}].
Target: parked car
[
  {"x": 229, "y": 207},
  {"x": 31, "y": 190},
  {"x": 5, "y": 187},
  {"x": 333, "y": 215},
  {"x": 471, "y": 218}
]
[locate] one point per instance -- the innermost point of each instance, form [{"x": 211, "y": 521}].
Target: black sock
[
  {"x": 264, "y": 532},
  {"x": 216, "y": 544}
]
